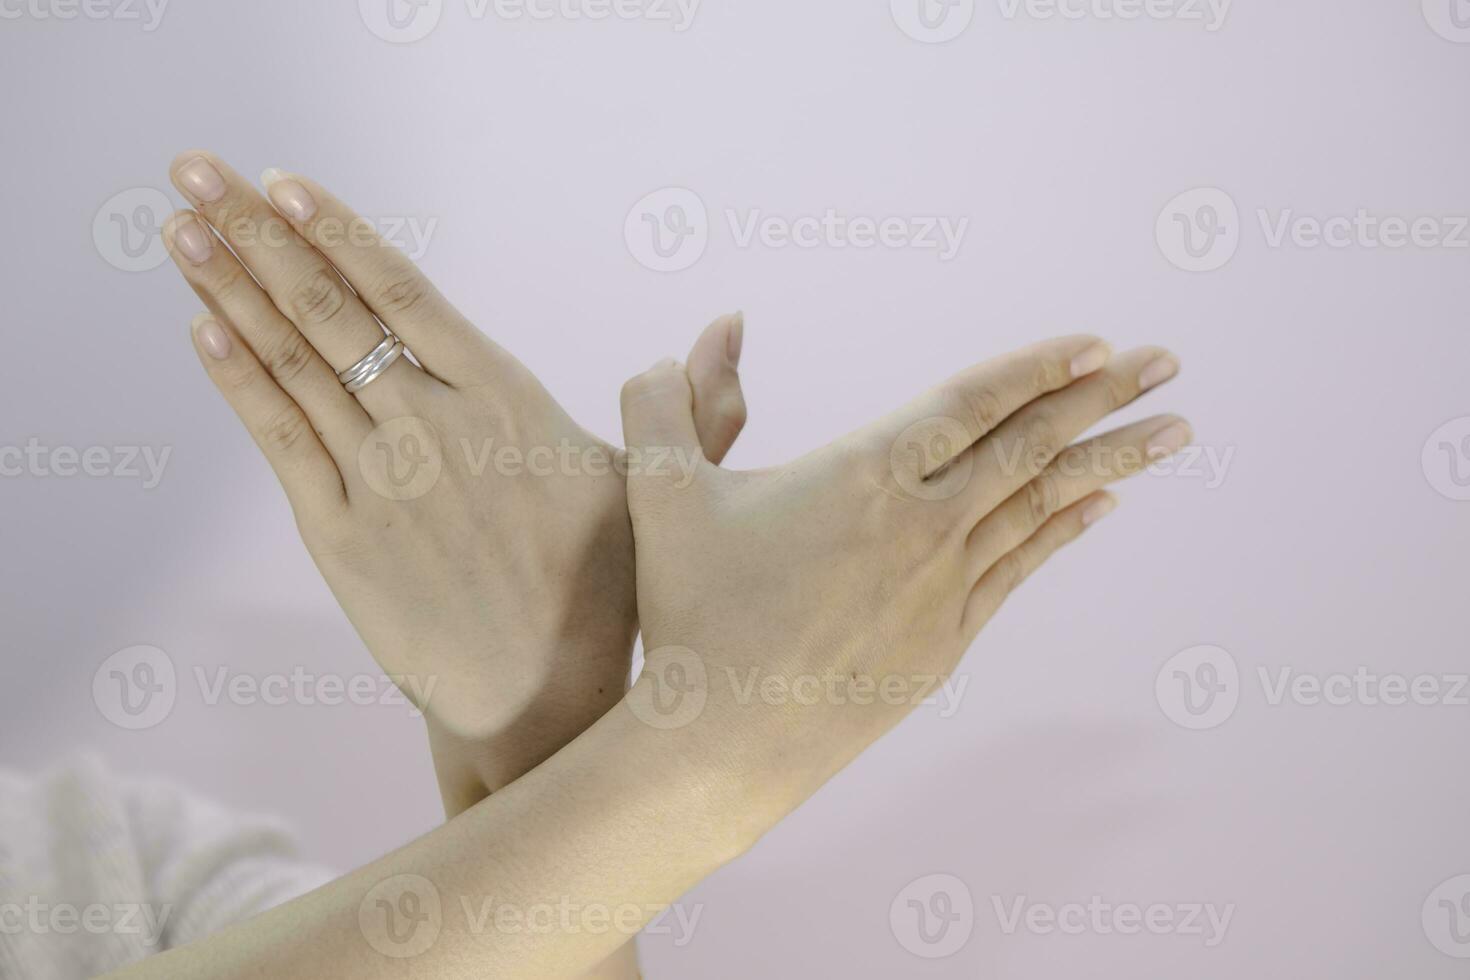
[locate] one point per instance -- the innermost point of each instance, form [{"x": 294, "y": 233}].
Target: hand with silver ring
[{"x": 498, "y": 579}]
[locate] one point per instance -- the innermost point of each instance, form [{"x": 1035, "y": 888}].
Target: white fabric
[{"x": 98, "y": 870}]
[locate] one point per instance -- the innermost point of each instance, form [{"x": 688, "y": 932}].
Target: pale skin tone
[{"x": 876, "y": 559}]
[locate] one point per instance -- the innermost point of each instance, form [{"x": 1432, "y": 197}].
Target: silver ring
[
  {"x": 375, "y": 369},
  {"x": 373, "y": 357}
]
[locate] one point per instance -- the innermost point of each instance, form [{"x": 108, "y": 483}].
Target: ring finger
[{"x": 1081, "y": 470}]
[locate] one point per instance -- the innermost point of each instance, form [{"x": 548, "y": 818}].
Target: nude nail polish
[
  {"x": 193, "y": 240},
  {"x": 201, "y": 181},
  {"x": 1157, "y": 372},
  {"x": 211, "y": 336},
  {"x": 289, "y": 196},
  {"x": 1168, "y": 441},
  {"x": 1091, "y": 360},
  {"x": 1098, "y": 509}
]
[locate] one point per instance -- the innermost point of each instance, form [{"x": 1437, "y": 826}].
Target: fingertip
[
  {"x": 1098, "y": 506},
  {"x": 735, "y": 338},
  {"x": 210, "y": 336}
]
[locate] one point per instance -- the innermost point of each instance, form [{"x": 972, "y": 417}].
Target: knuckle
[
  {"x": 229, "y": 278},
  {"x": 1049, "y": 374},
  {"x": 1041, "y": 441},
  {"x": 287, "y": 357},
  {"x": 1116, "y": 391},
  {"x": 1011, "y": 571},
  {"x": 981, "y": 408},
  {"x": 284, "y": 430},
  {"x": 400, "y": 293},
  {"x": 1043, "y": 499},
  {"x": 733, "y": 413},
  {"x": 317, "y": 296}
]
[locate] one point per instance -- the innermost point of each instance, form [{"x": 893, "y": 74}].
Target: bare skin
[
  {"x": 878, "y": 557},
  {"x": 501, "y": 594}
]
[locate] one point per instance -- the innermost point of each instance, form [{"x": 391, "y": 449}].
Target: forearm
[{"x": 604, "y": 836}]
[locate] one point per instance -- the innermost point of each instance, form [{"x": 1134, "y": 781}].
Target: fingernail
[
  {"x": 735, "y": 339},
  {"x": 1158, "y": 371},
  {"x": 192, "y": 239},
  {"x": 1168, "y": 441},
  {"x": 212, "y": 336},
  {"x": 1090, "y": 360},
  {"x": 201, "y": 181},
  {"x": 289, "y": 196},
  {"x": 1098, "y": 509}
]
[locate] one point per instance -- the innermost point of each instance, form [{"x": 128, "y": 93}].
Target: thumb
[
  {"x": 719, "y": 404},
  {"x": 658, "y": 411}
]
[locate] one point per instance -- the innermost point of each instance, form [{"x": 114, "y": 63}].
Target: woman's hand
[
  {"x": 795, "y": 614},
  {"x": 475, "y": 535}
]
